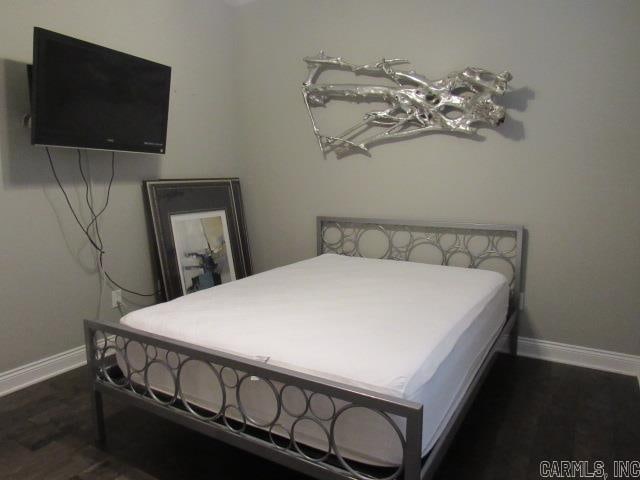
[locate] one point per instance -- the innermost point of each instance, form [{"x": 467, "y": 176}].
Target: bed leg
[
  {"x": 513, "y": 340},
  {"x": 97, "y": 413},
  {"x": 413, "y": 446}
]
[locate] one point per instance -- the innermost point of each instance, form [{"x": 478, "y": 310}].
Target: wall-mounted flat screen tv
[{"x": 88, "y": 96}]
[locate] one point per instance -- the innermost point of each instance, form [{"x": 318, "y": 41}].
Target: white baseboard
[
  {"x": 575, "y": 355},
  {"x": 40, "y": 370},
  {"x": 21, "y": 377}
]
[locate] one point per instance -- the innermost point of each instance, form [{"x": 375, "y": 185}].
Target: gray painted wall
[
  {"x": 565, "y": 164},
  {"x": 48, "y": 281}
]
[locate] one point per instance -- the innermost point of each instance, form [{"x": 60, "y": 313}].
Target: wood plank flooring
[{"x": 527, "y": 411}]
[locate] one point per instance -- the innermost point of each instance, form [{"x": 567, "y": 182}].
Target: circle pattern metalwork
[
  {"x": 197, "y": 411},
  {"x": 343, "y": 462},
  {"x": 107, "y": 352},
  {"x": 282, "y": 433},
  {"x": 315, "y": 406},
  {"x": 156, "y": 393},
  {"x": 447, "y": 245},
  {"x": 299, "y": 448},
  {"x": 225, "y": 374},
  {"x": 153, "y": 372},
  {"x": 225, "y": 417},
  {"x": 286, "y": 399},
  {"x": 136, "y": 355},
  {"x": 243, "y": 409}
]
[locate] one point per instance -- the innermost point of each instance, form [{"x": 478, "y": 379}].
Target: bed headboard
[{"x": 490, "y": 247}]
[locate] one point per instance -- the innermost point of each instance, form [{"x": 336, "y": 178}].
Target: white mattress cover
[{"x": 411, "y": 330}]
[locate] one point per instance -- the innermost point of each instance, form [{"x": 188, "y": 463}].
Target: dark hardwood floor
[{"x": 527, "y": 411}]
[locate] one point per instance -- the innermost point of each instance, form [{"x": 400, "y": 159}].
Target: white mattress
[{"x": 410, "y": 330}]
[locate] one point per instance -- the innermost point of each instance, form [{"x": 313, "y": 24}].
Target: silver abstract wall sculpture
[{"x": 459, "y": 102}]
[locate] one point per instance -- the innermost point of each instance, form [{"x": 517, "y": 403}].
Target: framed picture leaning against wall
[{"x": 199, "y": 233}]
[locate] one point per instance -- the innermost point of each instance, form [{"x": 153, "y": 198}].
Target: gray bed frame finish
[{"x": 105, "y": 340}]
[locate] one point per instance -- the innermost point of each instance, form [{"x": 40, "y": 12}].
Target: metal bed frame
[{"x": 471, "y": 245}]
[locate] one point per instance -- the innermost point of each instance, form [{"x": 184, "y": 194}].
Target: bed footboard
[{"x": 112, "y": 370}]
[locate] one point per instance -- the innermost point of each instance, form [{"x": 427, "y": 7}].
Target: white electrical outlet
[{"x": 116, "y": 298}]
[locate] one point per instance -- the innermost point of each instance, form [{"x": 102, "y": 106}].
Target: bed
[{"x": 346, "y": 365}]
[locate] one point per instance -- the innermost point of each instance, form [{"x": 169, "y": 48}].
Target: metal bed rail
[
  {"x": 112, "y": 371},
  {"x": 496, "y": 247}
]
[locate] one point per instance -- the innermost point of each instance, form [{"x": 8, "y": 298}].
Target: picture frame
[{"x": 199, "y": 232}]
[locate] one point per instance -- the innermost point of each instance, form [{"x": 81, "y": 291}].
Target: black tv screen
[{"x": 88, "y": 96}]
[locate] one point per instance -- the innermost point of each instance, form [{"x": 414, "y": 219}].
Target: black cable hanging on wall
[{"x": 97, "y": 243}]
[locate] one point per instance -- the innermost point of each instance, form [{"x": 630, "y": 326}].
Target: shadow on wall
[
  {"x": 24, "y": 165},
  {"x": 514, "y": 100}
]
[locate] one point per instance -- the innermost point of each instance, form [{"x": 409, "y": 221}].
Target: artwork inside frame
[
  {"x": 204, "y": 257},
  {"x": 199, "y": 232}
]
